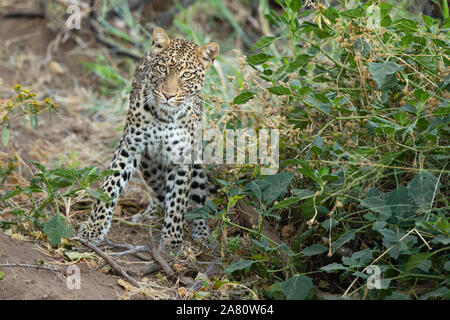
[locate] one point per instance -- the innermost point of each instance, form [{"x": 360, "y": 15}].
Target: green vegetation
[{"x": 360, "y": 97}]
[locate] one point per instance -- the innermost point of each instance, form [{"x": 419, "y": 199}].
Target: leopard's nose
[{"x": 169, "y": 95}]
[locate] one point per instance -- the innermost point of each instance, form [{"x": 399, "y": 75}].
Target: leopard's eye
[
  {"x": 162, "y": 68},
  {"x": 187, "y": 75}
]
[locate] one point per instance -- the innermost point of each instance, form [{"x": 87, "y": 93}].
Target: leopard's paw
[
  {"x": 89, "y": 232},
  {"x": 200, "y": 232}
]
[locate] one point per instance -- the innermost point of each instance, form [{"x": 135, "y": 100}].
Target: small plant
[
  {"x": 24, "y": 105},
  {"x": 47, "y": 192}
]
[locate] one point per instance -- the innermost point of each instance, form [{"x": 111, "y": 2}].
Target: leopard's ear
[
  {"x": 160, "y": 41},
  {"x": 207, "y": 53}
]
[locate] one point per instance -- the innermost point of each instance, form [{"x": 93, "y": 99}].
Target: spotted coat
[{"x": 164, "y": 115}]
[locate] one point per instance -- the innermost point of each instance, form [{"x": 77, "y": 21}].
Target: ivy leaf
[
  {"x": 384, "y": 73},
  {"x": 333, "y": 267},
  {"x": 57, "y": 228},
  {"x": 277, "y": 186},
  {"x": 343, "y": 239},
  {"x": 297, "y": 287},
  {"x": 239, "y": 265},
  {"x": 416, "y": 260},
  {"x": 421, "y": 189},
  {"x": 314, "y": 250},
  {"x": 358, "y": 259},
  {"x": 401, "y": 205},
  {"x": 378, "y": 205},
  {"x": 303, "y": 193}
]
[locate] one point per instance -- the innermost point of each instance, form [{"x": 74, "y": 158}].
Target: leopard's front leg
[
  {"x": 125, "y": 160},
  {"x": 177, "y": 198}
]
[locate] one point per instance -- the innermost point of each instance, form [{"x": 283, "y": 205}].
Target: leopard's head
[{"x": 178, "y": 67}]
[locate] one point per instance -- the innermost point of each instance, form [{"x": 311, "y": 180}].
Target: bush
[{"x": 360, "y": 97}]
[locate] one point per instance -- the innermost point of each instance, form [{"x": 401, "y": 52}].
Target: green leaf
[
  {"x": 303, "y": 91},
  {"x": 402, "y": 206},
  {"x": 99, "y": 195},
  {"x": 297, "y": 287},
  {"x": 386, "y": 22},
  {"x": 389, "y": 237},
  {"x": 442, "y": 292},
  {"x": 299, "y": 61},
  {"x": 362, "y": 46},
  {"x": 259, "y": 58},
  {"x": 416, "y": 260},
  {"x": 239, "y": 265},
  {"x": 303, "y": 193},
  {"x": 446, "y": 23},
  {"x": 422, "y": 188},
  {"x": 279, "y": 90},
  {"x": 353, "y": 13},
  {"x": 286, "y": 203},
  {"x": 385, "y": 8},
  {"x": 314, "y": 250},
  {"x": 40, "y": 167},
  {"x": 263, "y": 42},
  {"x": 358, "y": 259},
  {"x": 384, "y": 73},
  {"x": 295, "y": 5},
  {"x": 277, "y": 186},
  {"x": 57, "y": 228},
  {"x": 447, "y": 266},
  {"x": 343, "y": 239},
  {"x": 333, "y": 267},
  {"x": 317, "y": 145},
  {"x": 376, "y": 204},
  {"x": 421, "y": 96},
  {"x": 243, "y": 97},
  {"x": 378, "y": 225},
  {"x": 9, "y": 194},
  {"x": 256, "y": 190},
  {"x": 2, "y": 275},
  {"x": 405, "y": 25},
  {"x": 398, "y": 296},
  {"x": 198, "y": 213},
  {"x": 5, "y": 136}
]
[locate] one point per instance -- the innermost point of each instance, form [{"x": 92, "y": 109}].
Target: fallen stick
[
  {"x": 34, "y": 266},
  {"x": 110, "y": 261},
  {"x": 147, "y": 268},
  {"x": 156, "y": 255}
]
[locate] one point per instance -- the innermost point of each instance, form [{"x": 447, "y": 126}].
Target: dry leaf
[
  {"x": 287, "y": 231},
  {"x": 19, "y": 236},
  {"x": 182, "y": 291},
  {"x": 55, "y": 67},
  {"x": 124, "y": 284}
]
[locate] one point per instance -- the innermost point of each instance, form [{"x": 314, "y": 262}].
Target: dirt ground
[{"x": 21, "y": 283}]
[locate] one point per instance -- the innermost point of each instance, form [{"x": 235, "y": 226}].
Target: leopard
[{"x": 165, "y": 111}]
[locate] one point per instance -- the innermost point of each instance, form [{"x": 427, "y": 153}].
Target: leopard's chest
[{"x": 169, "y": 144}]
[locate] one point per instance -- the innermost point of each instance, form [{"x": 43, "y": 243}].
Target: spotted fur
[{"x": 165, "y": 112}]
